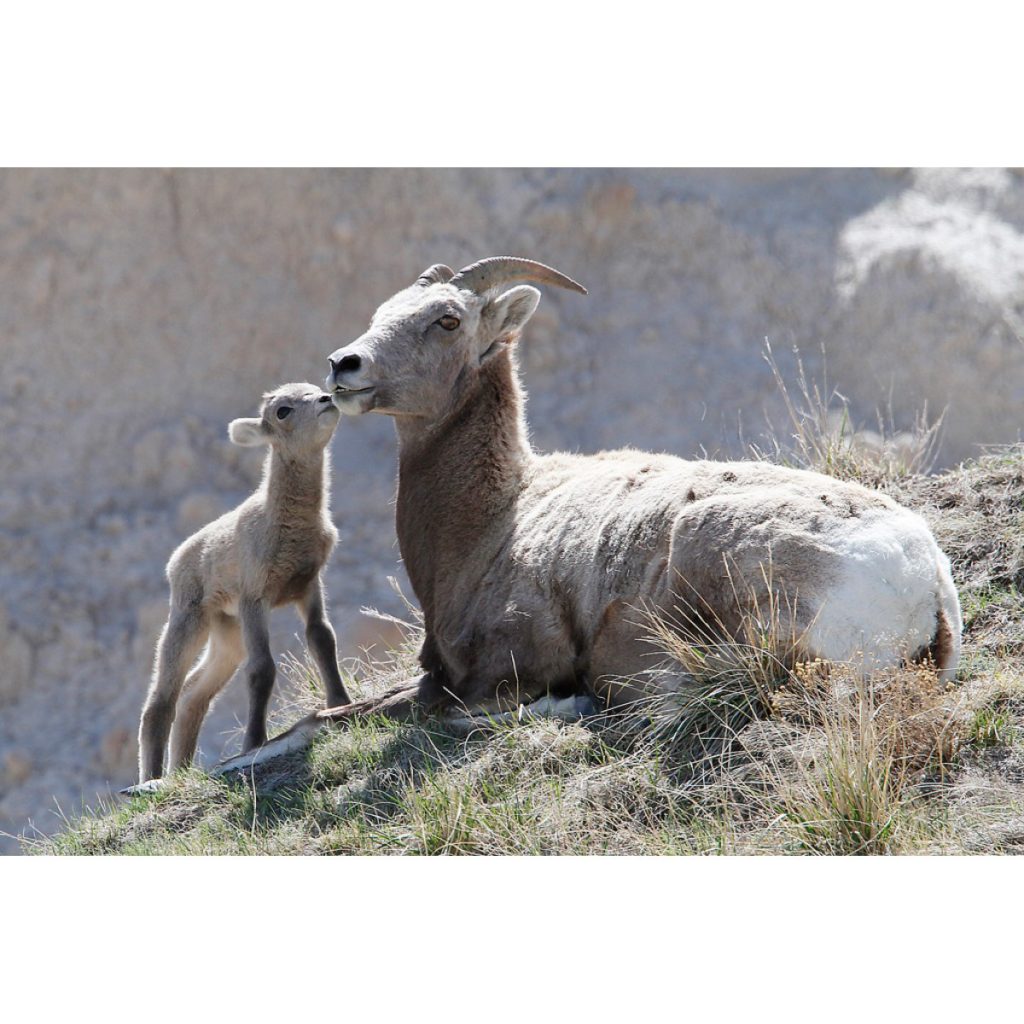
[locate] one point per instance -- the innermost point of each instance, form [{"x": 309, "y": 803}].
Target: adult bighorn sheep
[{"x": 530, "y": 569}]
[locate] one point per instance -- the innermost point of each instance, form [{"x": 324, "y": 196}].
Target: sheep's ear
[
  {"x": 507, "y": 315},
  {"x": 249, "y": 433}
]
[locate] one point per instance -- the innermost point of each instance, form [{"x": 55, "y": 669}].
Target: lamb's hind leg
[
  {"x": 179, "y": 644},
  {"x": 223, "y": 655}
]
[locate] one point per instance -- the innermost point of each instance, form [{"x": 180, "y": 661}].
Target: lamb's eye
[
  {"x": 449, "y": 323},
  {"x": 284, "y": 412}
]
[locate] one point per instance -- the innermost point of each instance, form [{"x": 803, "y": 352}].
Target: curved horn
[
  {"x": 495, "y": 270},
  {"x": 437, "y": 274}
]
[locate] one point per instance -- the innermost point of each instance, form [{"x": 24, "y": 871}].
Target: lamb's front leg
[
  {"x": 260, "y": 670},
  {"x": 322, "y": 644}
]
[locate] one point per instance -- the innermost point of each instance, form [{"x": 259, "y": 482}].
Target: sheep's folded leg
[
  {"x": 565, "y": 709},
  {"x": 299, "y": 737},
  {"x": 398, "y": 704}
]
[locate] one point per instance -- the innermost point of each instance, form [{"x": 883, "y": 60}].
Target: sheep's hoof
[
  {"x": 586, "y": 706},
  {"x": 142, "y": 788}
]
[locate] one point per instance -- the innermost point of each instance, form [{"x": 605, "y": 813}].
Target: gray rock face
[{"x": 140, "y": 311}]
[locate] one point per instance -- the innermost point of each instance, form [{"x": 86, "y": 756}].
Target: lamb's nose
[{"x": 347, "y": 364}]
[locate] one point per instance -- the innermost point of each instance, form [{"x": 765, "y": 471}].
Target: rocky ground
[{"x": 140, "y": 311}]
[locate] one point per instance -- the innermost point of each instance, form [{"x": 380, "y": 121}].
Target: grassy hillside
[{"x": 758, "y": 761}]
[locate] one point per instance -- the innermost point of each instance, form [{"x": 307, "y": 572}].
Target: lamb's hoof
[
  {"x": 142, "y": 788},
  {"x": 586, "y": 706}
]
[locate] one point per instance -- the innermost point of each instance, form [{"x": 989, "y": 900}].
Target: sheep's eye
[
  {"x": 449, "y": 323},
  {"x": 284, "y": 411}
]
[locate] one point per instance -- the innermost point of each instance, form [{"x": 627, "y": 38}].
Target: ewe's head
[
  {"x": 297, "y": 419},
  {"x": 426, "y": 345}
]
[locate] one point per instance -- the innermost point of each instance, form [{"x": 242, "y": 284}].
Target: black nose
[{"x": 345, "y": 365}]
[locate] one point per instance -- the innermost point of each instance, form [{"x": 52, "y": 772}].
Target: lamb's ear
[
  {"x": 249, "y": 433},
  {"x": 507, "y": 315}
]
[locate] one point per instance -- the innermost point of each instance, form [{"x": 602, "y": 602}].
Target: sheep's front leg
[
  {"x": 322, "y": 644},
  {"x": 259, "y": 669}
]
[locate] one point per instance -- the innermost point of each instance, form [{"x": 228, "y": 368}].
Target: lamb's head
[
  {"x": 297, "y": 419},
  {"x": 426, "y": 345}
]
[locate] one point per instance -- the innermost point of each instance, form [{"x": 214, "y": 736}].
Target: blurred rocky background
[{"x": 142, "y": 310}]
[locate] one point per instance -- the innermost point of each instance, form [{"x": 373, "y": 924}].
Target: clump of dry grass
[
  {"x": 821, "y": 435},
  {"x": 879, "y": 738},
  {"x": 842, "y": 776},
  {"x": 711, "y": 680},
  {"x": 913, "y": 712}
]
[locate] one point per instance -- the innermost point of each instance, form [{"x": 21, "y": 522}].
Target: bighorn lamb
[
  {"x": 227, "y": 576},
  {"x": 532, "y": 570}
]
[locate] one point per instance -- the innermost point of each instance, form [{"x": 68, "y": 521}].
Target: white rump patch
[{"x": 884, "y": 606}]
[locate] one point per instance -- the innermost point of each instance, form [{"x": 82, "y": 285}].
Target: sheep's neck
[
  {"x": 458, "y": 479},
  {"x": 295, "y": 487}
]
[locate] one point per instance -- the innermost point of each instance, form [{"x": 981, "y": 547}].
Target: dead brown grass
[
  {"x": 820, "y": 434},
  {"x": 842, "y": 770}
]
